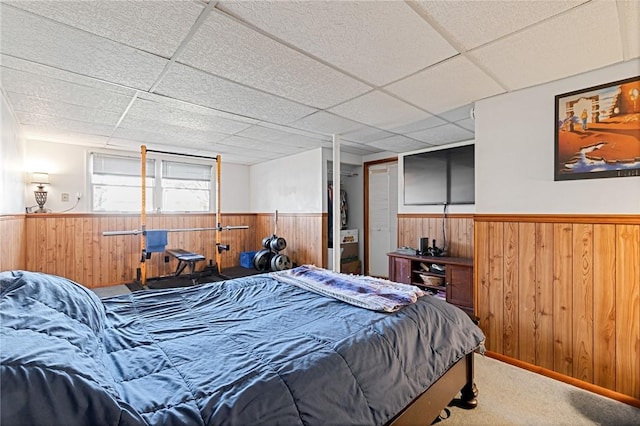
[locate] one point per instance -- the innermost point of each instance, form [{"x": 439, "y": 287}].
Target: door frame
[{"x": 365, "y": 179}]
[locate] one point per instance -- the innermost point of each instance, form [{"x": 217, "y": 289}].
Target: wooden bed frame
[{"x": 427, "y": 407}]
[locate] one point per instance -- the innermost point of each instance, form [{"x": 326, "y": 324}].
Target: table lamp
[{"x": 40, "y": 179}]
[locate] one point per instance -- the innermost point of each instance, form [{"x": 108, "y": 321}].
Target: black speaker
[{"x": 424, "y": 245}]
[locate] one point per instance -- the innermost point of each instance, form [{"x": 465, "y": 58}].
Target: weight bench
[{"x": 185, "y": 258}]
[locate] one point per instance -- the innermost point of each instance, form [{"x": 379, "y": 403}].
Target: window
[
  {"x": 116, "y": 185},
  {"x": 181, "y": 187},
  {"x": 185, "y": 187}
]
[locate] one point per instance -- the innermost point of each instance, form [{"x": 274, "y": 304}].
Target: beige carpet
[{"x": 509, "y": 395}]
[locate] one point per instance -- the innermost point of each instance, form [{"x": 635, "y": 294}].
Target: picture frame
[{"x": 597, "y": 131}]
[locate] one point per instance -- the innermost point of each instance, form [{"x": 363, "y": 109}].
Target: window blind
[
  {"x": 122, "y": 166},
  {"x": 185, "y": 171}
]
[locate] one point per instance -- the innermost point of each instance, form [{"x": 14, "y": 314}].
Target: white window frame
[
  {"x": 157, "y": 187},
  {"x": 199, "y": 173}
]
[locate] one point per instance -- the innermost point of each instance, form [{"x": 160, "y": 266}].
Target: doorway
[{"x": 381, "y": 215}]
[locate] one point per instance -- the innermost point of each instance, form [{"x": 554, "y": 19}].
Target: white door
[{"x": 383, "y": 209}]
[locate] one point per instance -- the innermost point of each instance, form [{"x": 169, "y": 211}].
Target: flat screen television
[{"x": 444, "y": 176}]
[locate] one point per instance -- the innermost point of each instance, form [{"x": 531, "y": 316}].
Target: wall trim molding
[
  {"x": 126, "y": 215},
  {"x": 618, "y": 219},
  {"x": 435, "y": 215},
  {"x": 12, "y": 216},
  {"x": 292, "y": 214}
]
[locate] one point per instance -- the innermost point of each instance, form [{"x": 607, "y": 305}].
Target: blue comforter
[{"x": 247, "y": 351}]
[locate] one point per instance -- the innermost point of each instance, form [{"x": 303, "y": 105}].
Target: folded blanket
[
  {"x": 366, "y": 292},
  {"x": 156, "y": 240}
]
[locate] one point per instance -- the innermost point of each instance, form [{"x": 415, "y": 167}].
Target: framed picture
[{"x": 597, "y": 131}]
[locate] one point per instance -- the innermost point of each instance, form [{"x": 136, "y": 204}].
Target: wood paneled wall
[
  {"x": 12, "y": 242},
  {"x": 72, "y": 245},
  {"x": 458, "y": 227},
  {"x": 306, "y": 235},
  {"x": 563, "y": 293}
]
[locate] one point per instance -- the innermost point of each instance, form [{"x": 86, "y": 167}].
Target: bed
[{"x": 253, "y": 350}]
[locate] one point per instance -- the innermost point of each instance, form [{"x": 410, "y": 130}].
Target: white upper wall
[
  {"x": 515, "y": 155},
  {"x": 235, "y": 188},
  {"x": 67, "y": 173},
  {"x": 12, "y": 152},
  {"x": 290, "y": 185}
]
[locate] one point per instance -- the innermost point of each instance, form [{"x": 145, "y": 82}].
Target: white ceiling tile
[
  {"x": 474, "y": 23},
  {"x": 98, "y": 96},
  {"x": 44, "y": 107},
  {"x": 265, "y": 134},
  {"x": 447, "y": 85},
  {"x": 294, "y": 130},
  {"x": 159, "y": 27},
  {"x": 48, "y": 122},
  {"x": 419, "y": 125},
  {"x": 326, "y": 123},
  {"x": 302, "y": 141},
  {"x": 181, "y": 147},
  {"x": 467, "y": 123},
  {"x": 166, "y": 114},
  {"x": 360, "y": 37},
  {"x": 380, "y": 110},
  {"x": 366, "y": 134},
  {"x": 550, "y": 57},
  {"x": 353, "y": 147},
  {"x": 200, "y": 88},
  {"x": 62, "y": 136},
  {"x": 193, "y": 108},
  {"x": 237, "y": 158},
  {"x": 132, "y": 145},
  {"x": 167, "y": 131},
  {"x": 226, "y": 48},
  {"x": 448, "y": 133},
  {"x": 141, "y": 136},
  {"x": 399, "y": 143},
  {"x": 457, "y": 114},
  {"x": 40, "y": 40},
  {"x": 264, "y": 146},
  {"x": 30, "y": 70},
  {"x": 234, "y": 145},
  {"x": 629, "y": 15}
]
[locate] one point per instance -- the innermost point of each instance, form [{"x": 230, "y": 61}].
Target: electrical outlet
[{"x": 64, "y": 196}]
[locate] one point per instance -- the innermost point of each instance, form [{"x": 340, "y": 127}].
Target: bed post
[{"x": 469, "y": 393}]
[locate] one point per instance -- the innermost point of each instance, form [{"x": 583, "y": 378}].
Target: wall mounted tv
[{"x": 444, "y": 176}]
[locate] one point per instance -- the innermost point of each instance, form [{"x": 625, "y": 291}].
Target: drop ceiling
[{"x": 259, "y": 80}]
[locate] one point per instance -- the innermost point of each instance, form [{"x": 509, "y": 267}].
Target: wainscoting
[
  {"x": 72, "y": 245},
  {"x": 12, "y": 242},
  {"x": 458, "y": 227},
  {"x": 306, "y": 235},
  {"x": 563, "y": 293}
]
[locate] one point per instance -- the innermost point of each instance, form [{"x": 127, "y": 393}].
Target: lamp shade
[{"x": 40, "y": 178}]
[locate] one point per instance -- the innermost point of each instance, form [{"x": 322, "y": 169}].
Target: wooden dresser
[{"x": 455, "y": 276}]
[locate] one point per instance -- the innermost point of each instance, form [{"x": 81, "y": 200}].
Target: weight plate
[
  {"x": 278, "y": 243},
  {"x": 287, "y": 264},
  {"x": 261, "y": 260},
  {"x": 265, "y": 242},
  {"x": 276, "y": 262},
  {"x": 280, "y": 262}
]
